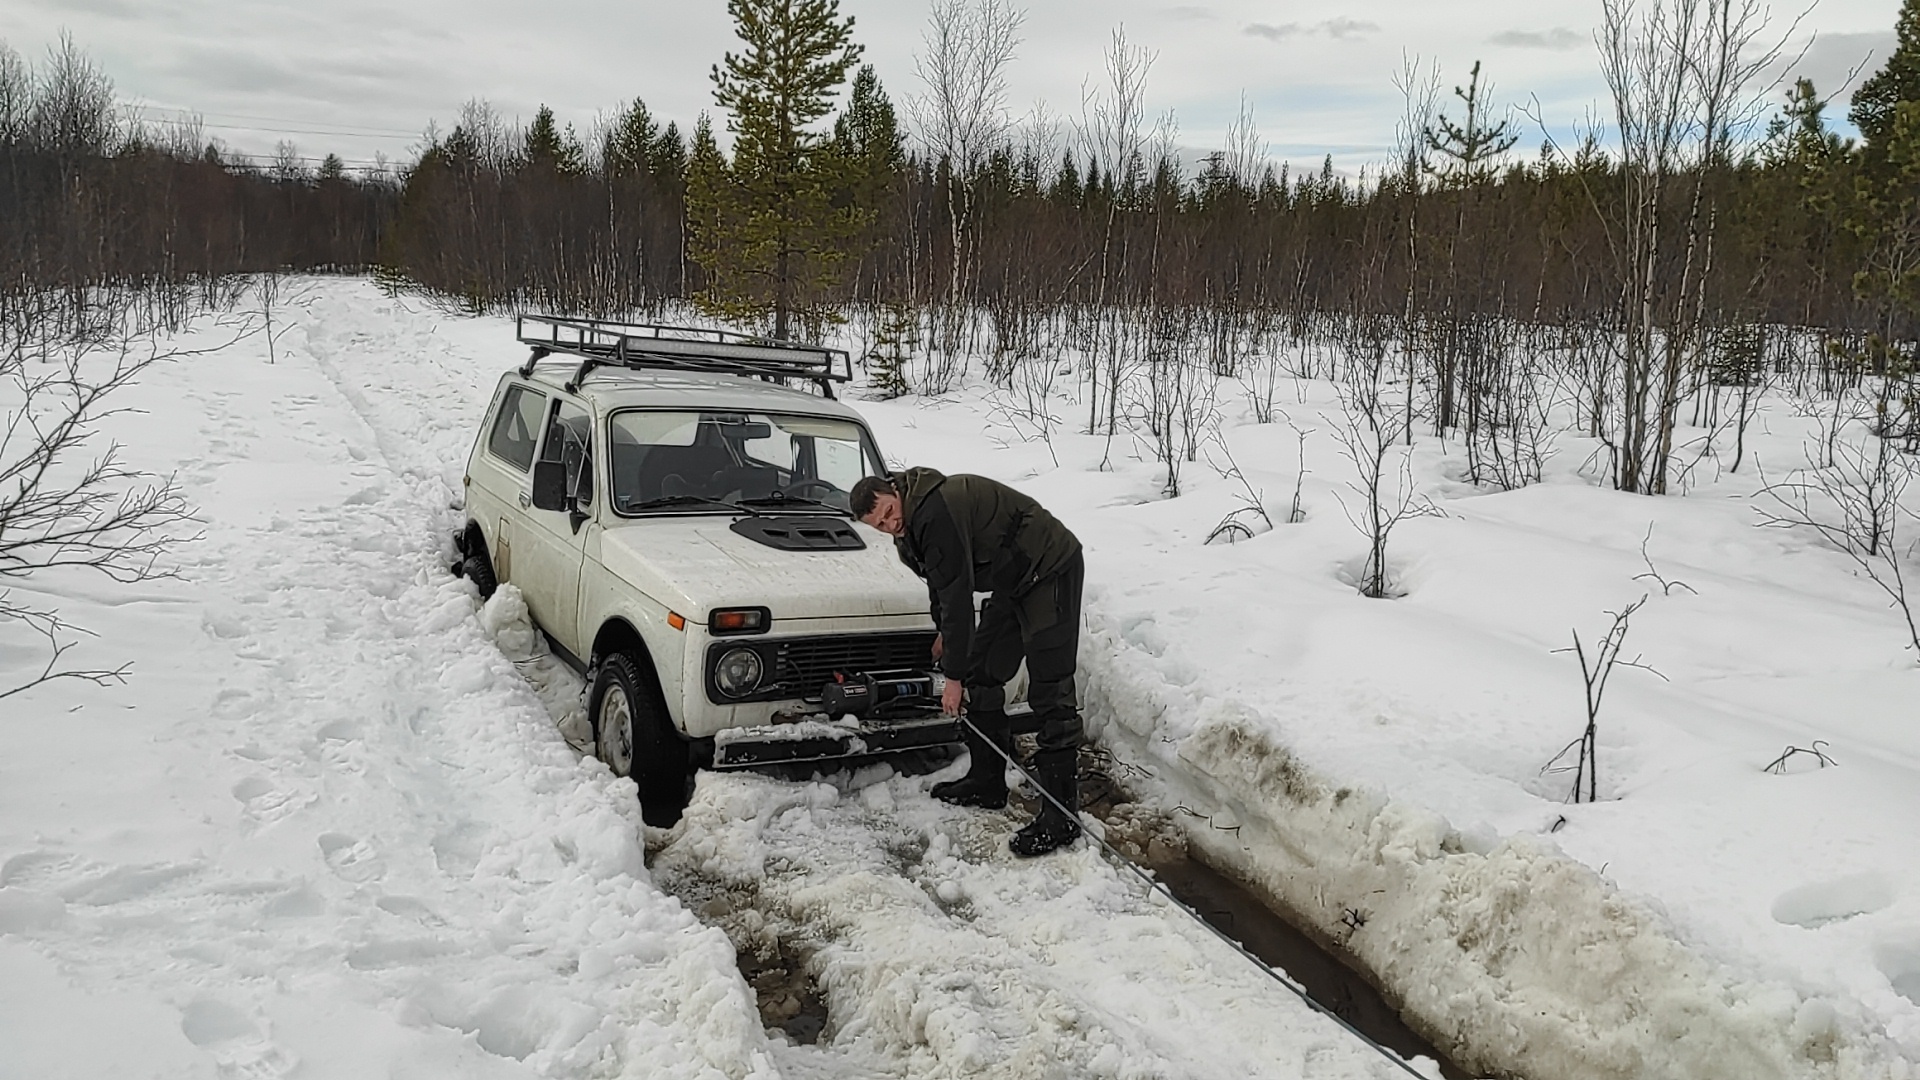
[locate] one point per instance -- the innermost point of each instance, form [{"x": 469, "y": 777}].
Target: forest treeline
[
  {"x": 984, "y": 229},
  {"x": 504, "y": 216},
  {"x": 97, "y": 208}
]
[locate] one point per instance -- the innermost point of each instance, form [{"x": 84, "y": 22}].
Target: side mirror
[{"x": 550, "y": 485}]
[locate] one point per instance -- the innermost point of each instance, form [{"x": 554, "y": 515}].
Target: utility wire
[
  {"x": 338, "y": 129},
  {"x": 1155, "y": 885}
]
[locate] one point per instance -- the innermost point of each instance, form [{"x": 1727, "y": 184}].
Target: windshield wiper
[
  {"x": 781, "y": 498},
  {"x": 665, "y": 501}
]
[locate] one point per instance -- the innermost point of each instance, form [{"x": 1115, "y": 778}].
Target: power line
[
  {"x": 305, "y": 131},
  {"x": 196, "y": 115}
]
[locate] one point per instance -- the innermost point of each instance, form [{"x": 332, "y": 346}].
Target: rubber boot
[
  {"x": 985, "y": 784},
  {"x": 1051, "y": 829}
]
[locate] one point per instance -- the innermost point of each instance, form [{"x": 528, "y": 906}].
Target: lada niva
[{"x": 675, "y": 515}]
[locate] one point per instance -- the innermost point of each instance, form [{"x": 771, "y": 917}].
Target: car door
[
  {"x": 498, "y": 473},
  {"x": 548, "y": 552}
]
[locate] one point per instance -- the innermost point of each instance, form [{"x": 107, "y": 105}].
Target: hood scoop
[{"x": 801, "y": 533}]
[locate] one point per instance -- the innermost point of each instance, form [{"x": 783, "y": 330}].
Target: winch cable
[{"x": 1155, "y": 885}]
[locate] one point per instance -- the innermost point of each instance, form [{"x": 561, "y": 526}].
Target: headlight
[{"x": 738, "y": 672}]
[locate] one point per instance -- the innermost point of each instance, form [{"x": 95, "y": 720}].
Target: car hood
[{"x": 697, "y": 564}]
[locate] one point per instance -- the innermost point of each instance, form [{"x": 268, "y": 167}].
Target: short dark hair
[{"x": 866, "y": 492}]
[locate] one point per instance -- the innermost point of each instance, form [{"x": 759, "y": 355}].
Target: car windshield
[{"x": 673, "y": 462}]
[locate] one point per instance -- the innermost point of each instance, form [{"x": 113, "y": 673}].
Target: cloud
[
  {"x": 1341, "y": 29},
  {"x": 1838, "y": 63},
  {"x": 1559, "y": 39},
  {"x": 1272, "y": 32},
  {"x": 1344, "y": 28}
]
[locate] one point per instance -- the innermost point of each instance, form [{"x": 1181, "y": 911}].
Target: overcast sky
[{"x": 357, "y": 77}]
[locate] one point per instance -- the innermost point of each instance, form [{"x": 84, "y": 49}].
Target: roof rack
[{"x": 599, "y": 343}]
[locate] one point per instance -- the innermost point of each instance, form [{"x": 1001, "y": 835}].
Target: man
[{"x": 967, "y": 534}]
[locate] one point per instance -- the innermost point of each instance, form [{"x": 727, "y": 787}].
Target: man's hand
[
  {"x": 950, "y": 698},
  {"x": 939, "y": 647}
]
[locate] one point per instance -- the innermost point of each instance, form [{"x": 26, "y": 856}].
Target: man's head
[{"x": 875, "y": 501}]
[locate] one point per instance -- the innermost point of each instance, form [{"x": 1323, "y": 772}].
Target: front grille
[{"x": 798, "y": 667}]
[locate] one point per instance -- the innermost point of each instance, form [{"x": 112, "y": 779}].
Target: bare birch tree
[{"x": 962, "y": 119}]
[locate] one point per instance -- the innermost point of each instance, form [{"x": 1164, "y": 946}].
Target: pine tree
[
  {"x": 708, "y": 206},
  {"x": 771, "y": 240},
  {"x": 895, "y": 340},
  {"x": 1468, "y": 149},
  {"x": 1874, "y": 103}
]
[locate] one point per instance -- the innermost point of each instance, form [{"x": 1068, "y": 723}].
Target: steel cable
[{"x": 1155, "y": 885}]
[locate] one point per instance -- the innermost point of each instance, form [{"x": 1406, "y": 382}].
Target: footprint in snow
[
  {"x": 238, "y": 1048},
  {"x": 354, "y": 860},
  {"x": 266, "y": 804},
  {"x": 1834, "y": 900}
]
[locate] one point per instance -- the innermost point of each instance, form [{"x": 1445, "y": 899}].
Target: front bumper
[{"x": 820, "y": 740}]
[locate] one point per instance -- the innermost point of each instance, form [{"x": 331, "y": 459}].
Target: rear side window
[{"x": 517, "y": 427}]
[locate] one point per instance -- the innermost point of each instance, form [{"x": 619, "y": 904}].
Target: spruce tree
[
  {"x": 771, "y": 239},
  {"x": 629, "y": 142},
  {"x": 867, "y": 140},
  {"x": 546, "y": 148}
]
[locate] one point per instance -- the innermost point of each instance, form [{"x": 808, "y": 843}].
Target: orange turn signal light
[
  {"x": 752, "y": 620},
  {"x": 676, "y": 620}
]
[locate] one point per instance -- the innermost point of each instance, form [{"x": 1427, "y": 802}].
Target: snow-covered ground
[{"x": 330, "y": 827}]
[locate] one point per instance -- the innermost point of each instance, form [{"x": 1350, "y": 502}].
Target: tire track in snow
[
  {"x": 412, "y": 836},
  {"x": 942, "y": 956}
]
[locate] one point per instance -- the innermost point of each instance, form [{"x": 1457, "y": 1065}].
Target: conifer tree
[
  {"x": 866, "y": 138},
  {"x": 1469, "y": 148},
  {"x": 771, "y": 240},
  {"x": 546, "y": 148},
  {"x": 1874, "y": 103},
  {"x": 628, "y": 147}
]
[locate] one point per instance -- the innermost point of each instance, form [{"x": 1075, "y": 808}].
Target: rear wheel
[
  {"x": 476, "y": 567},
  {"x": 635, "y": 737}
]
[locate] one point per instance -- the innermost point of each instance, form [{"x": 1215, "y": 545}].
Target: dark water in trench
[
  {"x": 1239, "y": 914},
  {"x": 790, "y": 1002}
]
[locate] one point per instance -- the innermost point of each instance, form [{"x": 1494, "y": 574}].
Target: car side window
[
  {"x": 570, "y": 440},
  {"x": 516, "y": 430}
]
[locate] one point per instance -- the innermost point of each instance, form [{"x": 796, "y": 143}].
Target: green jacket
[{"x": 968, "y": 534}]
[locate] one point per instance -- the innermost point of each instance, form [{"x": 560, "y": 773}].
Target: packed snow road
[{"x": 332, "y": 829}]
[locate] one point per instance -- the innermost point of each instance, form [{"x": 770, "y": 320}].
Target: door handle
[{"x": 526, "y": 499}]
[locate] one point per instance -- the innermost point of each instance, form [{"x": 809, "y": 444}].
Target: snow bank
[{"x": 1513, "y": 957}]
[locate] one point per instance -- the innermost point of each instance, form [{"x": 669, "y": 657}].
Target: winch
[{"x": 876, "y": 691}]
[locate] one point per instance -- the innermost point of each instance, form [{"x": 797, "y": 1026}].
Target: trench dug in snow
[
  {"x": 897, "y": 934},
  {"x": 789, "y": 942}
]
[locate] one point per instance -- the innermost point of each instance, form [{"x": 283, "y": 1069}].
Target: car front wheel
[{"x": 636, "y": 738}]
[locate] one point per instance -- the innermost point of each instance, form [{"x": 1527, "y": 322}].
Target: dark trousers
[{"x": 1042, "y": 626}]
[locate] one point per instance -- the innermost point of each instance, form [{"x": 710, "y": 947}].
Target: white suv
[{"x": 676, "y": 518}]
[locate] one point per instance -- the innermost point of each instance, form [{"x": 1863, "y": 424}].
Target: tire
[
  {"x": 633, "y": 734},
  {"x": 479, "y": 569}
]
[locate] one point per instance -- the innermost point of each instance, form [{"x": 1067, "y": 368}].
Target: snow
[
  {"x": 333, "y": 825},
  {"x": 1383, "y": 758},
  {"x": 337, "y": 824}
]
